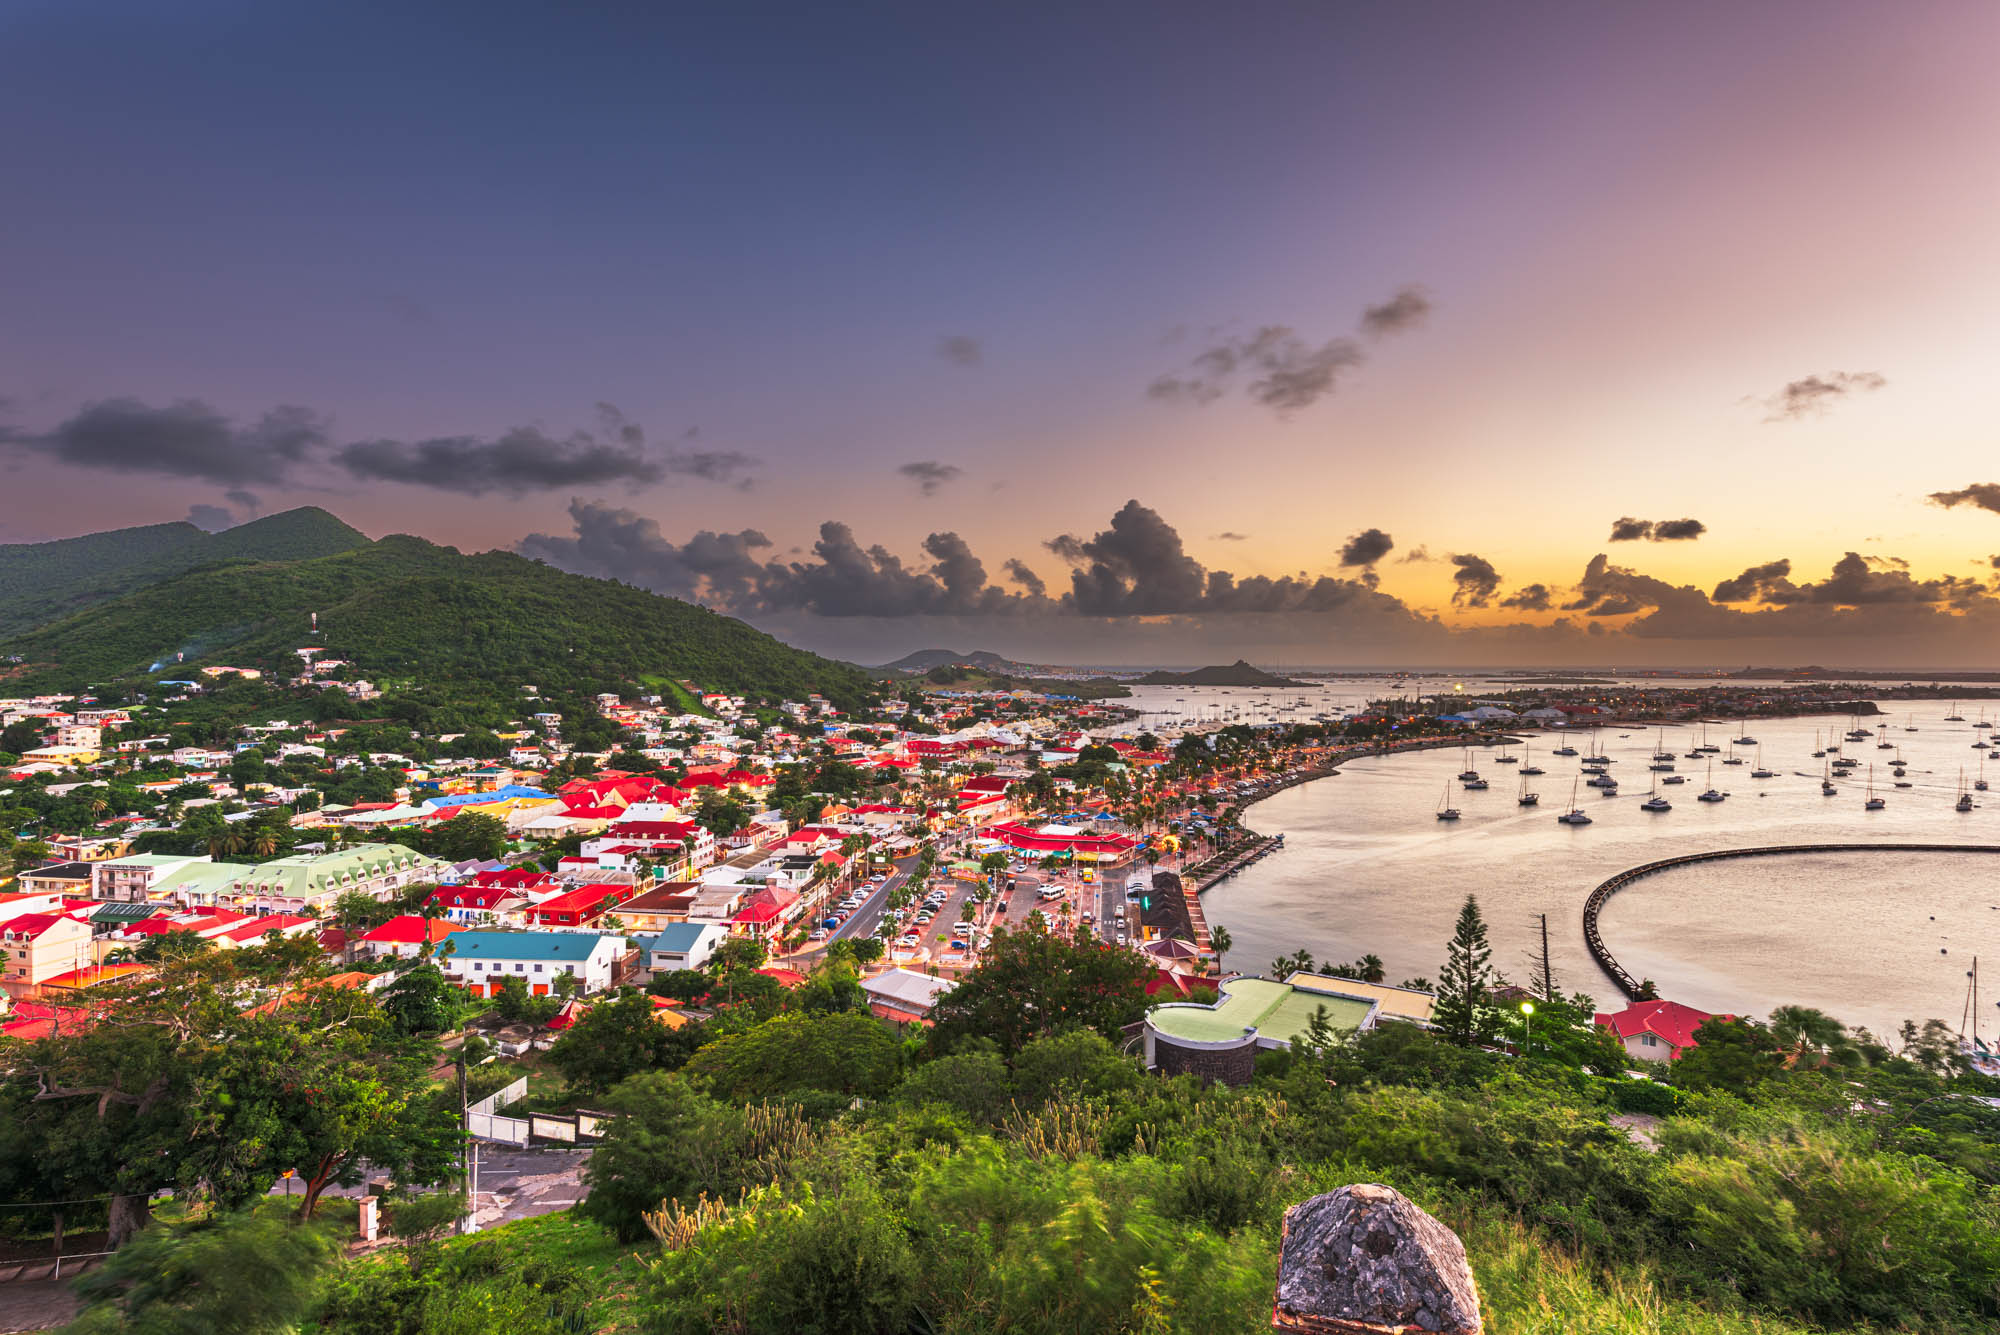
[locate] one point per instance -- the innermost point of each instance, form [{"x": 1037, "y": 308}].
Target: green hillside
[
  {"x": 45, "y": 581},
  {"x": 403, "y": 609}
]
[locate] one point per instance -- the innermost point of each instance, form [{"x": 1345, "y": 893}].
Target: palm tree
[
  {"x": 264, "y": 843},
  {"x": 1220, "y": 942},
  {"x": 1809, "y": 1037}
]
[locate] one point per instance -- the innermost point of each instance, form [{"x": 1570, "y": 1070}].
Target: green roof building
[
  {"x": 1221, "y": 1041},
  {"x": 312, "y": 881}
]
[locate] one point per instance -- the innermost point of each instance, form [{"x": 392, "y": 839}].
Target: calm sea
[{"x": 1873, "y": 938}]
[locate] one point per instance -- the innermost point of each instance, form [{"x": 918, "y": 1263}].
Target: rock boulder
[{"x": 1365, "y": 1261}]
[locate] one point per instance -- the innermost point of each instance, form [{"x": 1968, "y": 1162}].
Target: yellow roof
[{"x": 1397, "y": 1003}]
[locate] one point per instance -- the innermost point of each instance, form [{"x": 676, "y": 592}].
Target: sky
[{"x": 1151, "y": 332}]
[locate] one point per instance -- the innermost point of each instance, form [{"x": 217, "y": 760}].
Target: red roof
[
  {"x": 411, "y": 929},
  {"x": 1668, "y": 1019},
  {"x": 655, "y": 829},
  {"x": 513, "y": 878},
  {"x": 471, "y": 896}
]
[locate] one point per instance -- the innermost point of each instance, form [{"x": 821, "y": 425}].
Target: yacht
[
  {"x": 1954, "y": 717},
  {"x": 1526, "y": 798},
  {"x": 1979, "y": 782},
  {"x": 1475, "y": 784},
  {"x": 1964, "y": 797},
  {"x": 1574, "y": 816},
  {"x": 1660, "y": 751},
  {"x": 1873, "y": 803},
  {"x": 1713, "y": 794},
  {"x": 1600, "y": 781},
  {"x": 1660, "y": 766},
  {"x": 1760, "y": 772},
  {"x": 1982, "y": 720},
  {"x": 1563, "y": 751},
  {"x": 1675, "y": 778},
  {"x": 1655, "y": 802},
  {"x": 1732, "y": 758}
]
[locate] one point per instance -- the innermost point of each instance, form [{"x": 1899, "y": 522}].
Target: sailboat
[
  {"x": 1564, "y": 750},
  {"x": 1746, "y": 739},
  {"x": 1712, "y": 795},
  {"x": 1760, "y": 772},
  {"x": 1964, "y": 797},
  {"x": 1655, "y": 802},
  {"x": 1826, "y": 788},
  {"x": 1732, "y": 758},
  {"x": 1468, "y": 774},
  {"x": 1446, "y": 811},
  {"x": 1819, "y": 747},
  {"x": 1954, "y": 716},
  {"x": 1504, "y": 759},
  {"x": 1660, "y": 751},
  {"x": 1982, "y": 719},
  {"x": 1531, "y": 767},
  {"x": 1597, "y": 756},
  {"x": 1574, "y": 816},
  {"x": 1979, "y": 783},
  {"x": 1526, "y": 798},
  {"x": 1873, "y": 803}
]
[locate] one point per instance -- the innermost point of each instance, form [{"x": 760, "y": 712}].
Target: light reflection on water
[{"x": 1367, "y": 867}]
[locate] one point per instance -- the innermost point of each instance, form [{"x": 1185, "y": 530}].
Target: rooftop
[{"x": 1277, "y": 1011}]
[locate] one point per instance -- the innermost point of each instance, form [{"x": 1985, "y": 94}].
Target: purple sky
[{"x": 966, "y": 280}]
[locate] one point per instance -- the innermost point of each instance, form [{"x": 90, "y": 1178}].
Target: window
[
  {"x": 1648, "y": 1041},
  {"x": 520, "y": 968},
  {"x": 476, "y": 966},
  {"x": 538, "y": 968}
]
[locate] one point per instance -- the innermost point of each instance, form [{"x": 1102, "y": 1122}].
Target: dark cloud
[
  {"x": 1815, "y": 393},
  {"x": 1018, "y": 571},
  {"x": 1678, "y": 530},
  {"x": 1232, "y": 537},
  {"x": 959, "y": 349},
  {"x": 1405, "y": 310},
  {"x": 524, "y": 459},
  {"x": 1366, "y": 548},
  {"x": 929, "y": 474},
  {"x": 608, "y": 543},
  {"x": 187, "y": 439},
  {"x": 1984, "y": 495},
  {"x": 211, "y": 517},
  {"x": 1530, "y": 598},
  {"x": 1628, "y": 529},
  {"x": 1475, "y": 581},
  {"x": 246, "y": 501},
  {"x": 1416, "y": 556},
  {"x": 1749, "y": 586}
]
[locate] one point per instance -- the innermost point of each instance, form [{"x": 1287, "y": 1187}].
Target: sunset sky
[{"x": 592, "y": 282}]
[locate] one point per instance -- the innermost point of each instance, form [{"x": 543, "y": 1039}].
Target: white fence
[{"x": 482, "y": 1123}]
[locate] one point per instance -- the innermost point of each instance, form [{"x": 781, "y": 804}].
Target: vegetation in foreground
[{"x": 792, "y": 1165}]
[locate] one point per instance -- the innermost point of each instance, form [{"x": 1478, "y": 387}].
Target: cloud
[
  {"x": 1627, "y": 529},
  {"x": 1475, "y": 581},
  {"x": 1751, "y": 584},
  {"x": 1232, "y": 537},
  {"x": 291, "y": 445},
  {"x": 523, "y": 459},
  {"x": 959, "y": 349},
  {"x": 1678, "y": 530},
  {"x": 1417, "y": 555},
  {"x": 1984, "y": 495},
  {"x": 1366, "y": 548},
  {"x": 1406, "y": 310},
  {"x": 930, "y": 475},
  {"x": 608, "y": 543},
  {"x": 1286, "y": 371},
  {"x": 1815, "y": 393},
  {"x": 728, "y": 467},
  {"x": 1018, "y": 571},
  {"x": 246, "y": 501},
  {"x": 211, "y": 517},
  {"x": 1530, "y": 598},
  {"x": 186, "y": 439}
]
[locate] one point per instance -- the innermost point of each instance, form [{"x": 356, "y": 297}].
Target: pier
[{"x": 1593, "y": 940}]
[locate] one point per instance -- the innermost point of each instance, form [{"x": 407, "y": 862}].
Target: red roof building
[
  {"x": 578, "y": 907},
  {"x": 1655, "y": 1030}
]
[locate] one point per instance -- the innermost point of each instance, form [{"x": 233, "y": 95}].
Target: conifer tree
[{"x": 1463, "y": 1012}]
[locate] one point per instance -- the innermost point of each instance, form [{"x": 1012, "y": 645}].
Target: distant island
[
  {"x": 923, "y": 660},
  {"x": 1238, "y": 673}
]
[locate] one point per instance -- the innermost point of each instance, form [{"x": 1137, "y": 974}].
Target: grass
[{"x": 565, "y": 1239}]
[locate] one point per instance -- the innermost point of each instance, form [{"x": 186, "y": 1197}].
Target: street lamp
[{"x": 1527, "y": 1019}]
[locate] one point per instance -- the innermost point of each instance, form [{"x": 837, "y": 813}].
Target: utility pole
[{"x": 1548, "y": 975}]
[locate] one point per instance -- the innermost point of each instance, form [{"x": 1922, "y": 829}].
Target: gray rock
[{"x": 1365, "y": 1261}]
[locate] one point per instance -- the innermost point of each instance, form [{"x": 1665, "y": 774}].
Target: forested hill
[
  {"x": 45, "y": 581},
  {"x": 408, "y": 611}
]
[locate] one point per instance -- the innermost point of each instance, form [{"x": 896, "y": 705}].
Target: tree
[
  {"x": 1463, "y": 1013},
  {"x": 848, "y": 1053},
  {"x": 1810, "y": 1037},
  {"x": 616, "y": 1040},
  {"x": 422, "y": 1001},
  {"x": 237, "y": 1274},
  {"x": 1219, "y": 940},
  {"x": 1733, "y": 1056},
  {"x": 468, "y": 836},
  {"x": 1033, "y": 982}
]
